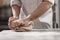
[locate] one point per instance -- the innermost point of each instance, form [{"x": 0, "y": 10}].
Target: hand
[
  {"x": 24, "y": 24},
  {"x": 20, "y": 23},
  {"x": 10, "y": 22}
]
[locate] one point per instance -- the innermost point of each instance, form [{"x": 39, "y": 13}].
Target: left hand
[{"x": 11, "y": 19}]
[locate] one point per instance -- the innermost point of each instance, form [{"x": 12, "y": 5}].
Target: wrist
[
  {"x": 15, "y": 16},
  {"x": 28, "y": 18}
]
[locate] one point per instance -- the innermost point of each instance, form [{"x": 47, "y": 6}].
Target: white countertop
[{"x": 11, "y": 35}]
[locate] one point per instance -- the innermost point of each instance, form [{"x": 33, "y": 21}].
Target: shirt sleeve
[
  {"x": 52, "y": 1},
  {"x": 15, "y": 2}
]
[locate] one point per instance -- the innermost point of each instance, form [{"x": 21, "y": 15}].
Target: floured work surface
[{"x": 11, "y": 35}]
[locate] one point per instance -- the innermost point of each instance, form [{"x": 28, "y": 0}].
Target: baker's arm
[
  {"x": 41, "y": 9},
  {"x": 16, "y": 6},
  {"x": 15, "y": 10}
]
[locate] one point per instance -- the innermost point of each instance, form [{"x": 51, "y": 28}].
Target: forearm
[
  {"x": 16, "y": 10},
  {"x": 41, "y": 9}
]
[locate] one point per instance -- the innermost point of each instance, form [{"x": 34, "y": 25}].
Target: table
[{"x": 44, "y": 35}]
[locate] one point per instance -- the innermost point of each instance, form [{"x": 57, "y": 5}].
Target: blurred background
[{"x": 6, "y": 12}]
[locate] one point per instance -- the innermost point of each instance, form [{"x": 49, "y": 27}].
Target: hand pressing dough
[{"x": 27, "y": 27}]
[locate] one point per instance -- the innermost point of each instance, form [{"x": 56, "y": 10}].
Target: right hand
[{"x": 11, "y": 19}]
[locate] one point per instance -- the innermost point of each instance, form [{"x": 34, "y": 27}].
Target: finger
[
  {"x": 10, "y": 25},
  {"x": 11, "y": 19},
  {"x": 22, "y": 23}
]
